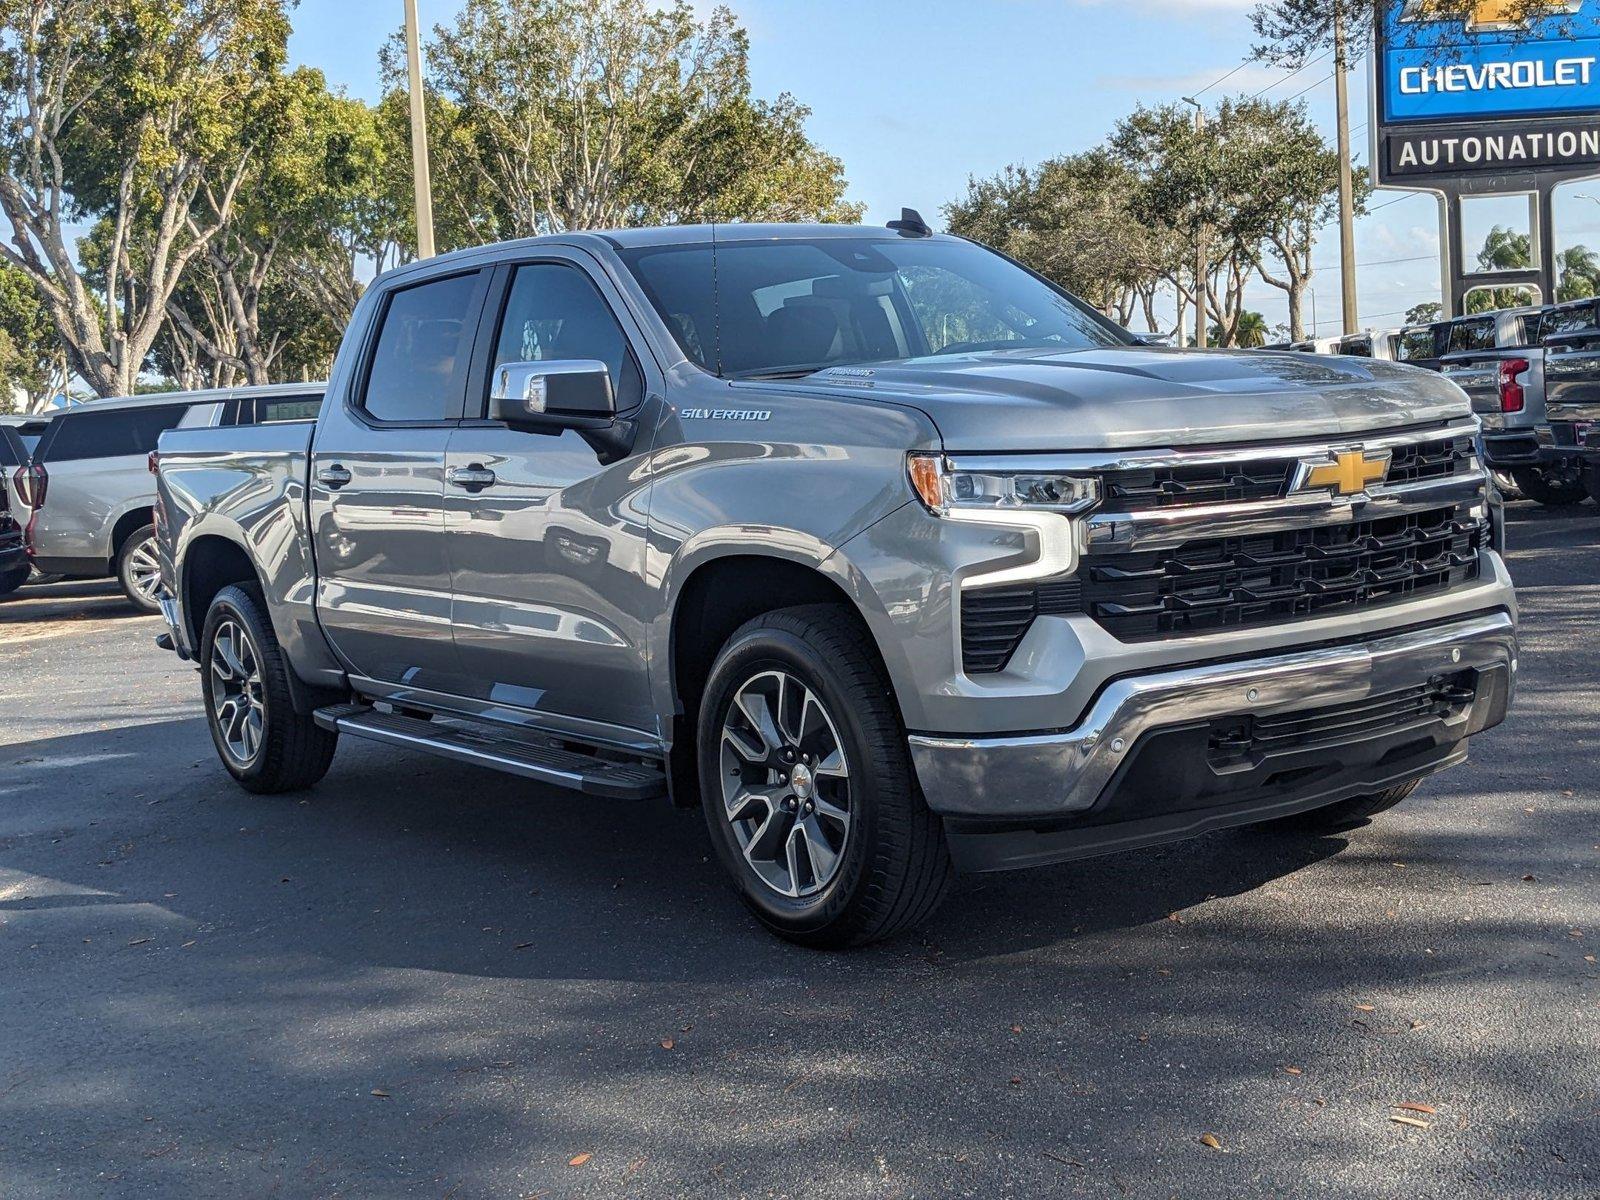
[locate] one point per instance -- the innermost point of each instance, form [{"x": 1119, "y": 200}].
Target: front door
[
  {"x": 546, "y": 543},
  {"x": 377, "y": 487}
]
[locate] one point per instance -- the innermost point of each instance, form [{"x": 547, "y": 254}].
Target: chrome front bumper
[{"x": 1051, "y": 776}]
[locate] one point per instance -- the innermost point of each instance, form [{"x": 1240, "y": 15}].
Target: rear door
[
  {"x": 548, "y": 559},
  {"x": 377, "y": 482}
]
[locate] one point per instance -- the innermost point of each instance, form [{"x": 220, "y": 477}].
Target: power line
[
  {"x": 1310, "y": 62},
  {"x": 1224, "y": 78},
  {"x": 1382, "y": 262}
]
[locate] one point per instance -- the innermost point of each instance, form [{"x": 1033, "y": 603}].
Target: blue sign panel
[{"x": 1485, "y": 64}]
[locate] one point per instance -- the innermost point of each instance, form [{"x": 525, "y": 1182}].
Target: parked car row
[
  {"x": 79, "y": 490},
  {"x": 1533, "y": 375}
]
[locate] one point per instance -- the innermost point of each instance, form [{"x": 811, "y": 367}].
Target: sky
[{"x": 917, "y": 98}]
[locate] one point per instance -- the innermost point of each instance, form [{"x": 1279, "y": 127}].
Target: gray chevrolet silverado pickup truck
[{"x": 888, "y": 554}]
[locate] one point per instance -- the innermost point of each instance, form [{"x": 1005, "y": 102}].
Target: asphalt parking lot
[{"x": 421, "y": 979}]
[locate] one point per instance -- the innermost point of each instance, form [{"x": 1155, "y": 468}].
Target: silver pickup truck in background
[
  {"x": 887, "y": 554},
  {"x": 1504, "y": 362}
]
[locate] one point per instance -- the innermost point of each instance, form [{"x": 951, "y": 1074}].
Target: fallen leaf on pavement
[
  {"x": 1529, "y": 879},
  {"x": 1413, "y": 1121},
  {"x": 1016, "y": 1029},
  {"x": 1365, "y": 1008},
  {"x": 138, "y": 941},
  {"x": 1016, "y": 1080},
  {"x": 1291, "y": 1070},
  {"x": 1211, "y": 1139},
  {"x": 380, "y": 1093},
  {"x": 667, "y": 1043},
  {"x": 1409, "y": 1106},
  {"x": 577, "y": 1160}
]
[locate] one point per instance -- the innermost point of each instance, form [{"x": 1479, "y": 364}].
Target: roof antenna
[{"x": 911, "y": 224}]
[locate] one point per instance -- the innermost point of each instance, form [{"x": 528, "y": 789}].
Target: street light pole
[
  {"x": 1347, "y": 234},
  {"x": 1199, "y": 244},
  {"x": 419, "y": 135}
]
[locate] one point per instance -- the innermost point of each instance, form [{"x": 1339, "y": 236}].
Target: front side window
[
  {"x": 555, "y": 312},
  {"x": 418, "y": 370},
  {"x": 789, "y": 307},
  {"x": 1472, "y": 335}
]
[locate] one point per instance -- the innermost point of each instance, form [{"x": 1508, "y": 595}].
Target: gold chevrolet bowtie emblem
[
  {"x": 1488, "y": 14},
  {"x": 1349, "y": 474}
]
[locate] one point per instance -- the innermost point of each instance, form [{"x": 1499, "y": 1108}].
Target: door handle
[
  {"x": 473, "y": 478},
  {"x": 334, "y": 476}
]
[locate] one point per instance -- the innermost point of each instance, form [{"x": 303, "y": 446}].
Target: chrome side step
[{"x": 486, "y": 747}]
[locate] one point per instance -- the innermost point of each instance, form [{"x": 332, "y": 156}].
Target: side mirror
[{"x": 573, "y": 393}]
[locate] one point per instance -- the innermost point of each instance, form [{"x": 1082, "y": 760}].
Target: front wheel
[
  {"x": 266, "y": 745},
  {"x": 139, "y": 570},
  {"x": 1553, "y": 487},
  {"x": 807, "y": 783}
]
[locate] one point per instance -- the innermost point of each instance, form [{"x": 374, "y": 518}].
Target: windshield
[{"x": 772, "y": 308}]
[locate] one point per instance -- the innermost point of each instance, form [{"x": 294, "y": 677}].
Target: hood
[{"x": 1138, "y": 397}]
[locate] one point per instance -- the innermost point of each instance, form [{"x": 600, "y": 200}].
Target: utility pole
[
  {"x": 1199, "y": 243},
  {"x": 419, "y": 135},
  {"x": 1347, "y": 233}
]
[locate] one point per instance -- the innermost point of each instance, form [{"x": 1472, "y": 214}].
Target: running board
[{"x": 490, "y": 748}]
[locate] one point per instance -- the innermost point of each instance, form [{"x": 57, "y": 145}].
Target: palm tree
[
  {"x": 1251, "y": 331},
  {"x": 1578, "y": 273}
]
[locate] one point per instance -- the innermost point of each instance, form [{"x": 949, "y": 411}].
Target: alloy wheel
[
  {"x": 144, "y": 571},
  {"x": 785, "y": 784},
  {"x": 238, "y": 696}
]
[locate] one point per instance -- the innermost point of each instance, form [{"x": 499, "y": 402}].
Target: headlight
[{"x": 942, "y": 488}]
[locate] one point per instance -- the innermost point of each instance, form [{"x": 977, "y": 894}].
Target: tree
[
  {"x": 1503, "y": 250},
  {"x": 138, "y": 113},
  {"x": 31, "y": 357},
  {"x": 579, "y": 114},
  {"x": 1250, "y": 331},
  {"x": 309, "y": 180},
  {"x": 1292, "y": 31},
  {"x": 1422, "y": 314},
  {"x": 1209, "y": 181},
  {"x": 1070, "y": 220},
  {"x": 1578, "y": 273},
  {"x": 1296, "y": 193}
]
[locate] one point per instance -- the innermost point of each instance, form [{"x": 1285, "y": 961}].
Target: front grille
[
  {"x": 1243, "y": 740},
  {"x": 1179, "y": 484},
  {"x": 1220, "y": 583}
]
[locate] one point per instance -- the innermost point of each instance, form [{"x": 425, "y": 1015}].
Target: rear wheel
[
  {"x": 1346, "y": 814},
  {"x": 808, "y": 787},
  {"x": 139, "y": 570},
  {"x": 1554, "y": 487},
  {"x": 264, "y": 743}
]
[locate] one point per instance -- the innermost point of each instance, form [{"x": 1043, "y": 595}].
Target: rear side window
[
  {"x": 1576, "y": 318},
  {"x": 1413, "y": 344},
  {"x": 1476, "y": 334},
  {"x": 419, "y": 365},
  {"x": 270, "y": 410},
  {"x": 84, "y": 433},
  {"x": 1358, "y": 347}
]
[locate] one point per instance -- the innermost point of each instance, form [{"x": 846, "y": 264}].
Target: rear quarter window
[{"x": 113, "y": 434}]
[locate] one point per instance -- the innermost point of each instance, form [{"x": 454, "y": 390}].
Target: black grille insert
[
  {"x": 994, "y": 620},
  {"x": 1218, "y": 583}
]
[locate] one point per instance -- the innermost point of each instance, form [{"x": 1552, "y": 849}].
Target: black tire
[
  {"x": 893, "y": 867},
  {"x": 1553, "y": 490},
  {"x": 12, "y": 579},
  {"x": 290, "y": 751},
  {"x": 1346, "y": 814},
  {"x": 132, "y": 567}
]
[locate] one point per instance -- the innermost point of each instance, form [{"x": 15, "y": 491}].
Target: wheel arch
[{"x": 713, "y": 598}]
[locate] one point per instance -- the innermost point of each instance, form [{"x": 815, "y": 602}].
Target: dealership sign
[{"x": 1496, "y": 88}]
